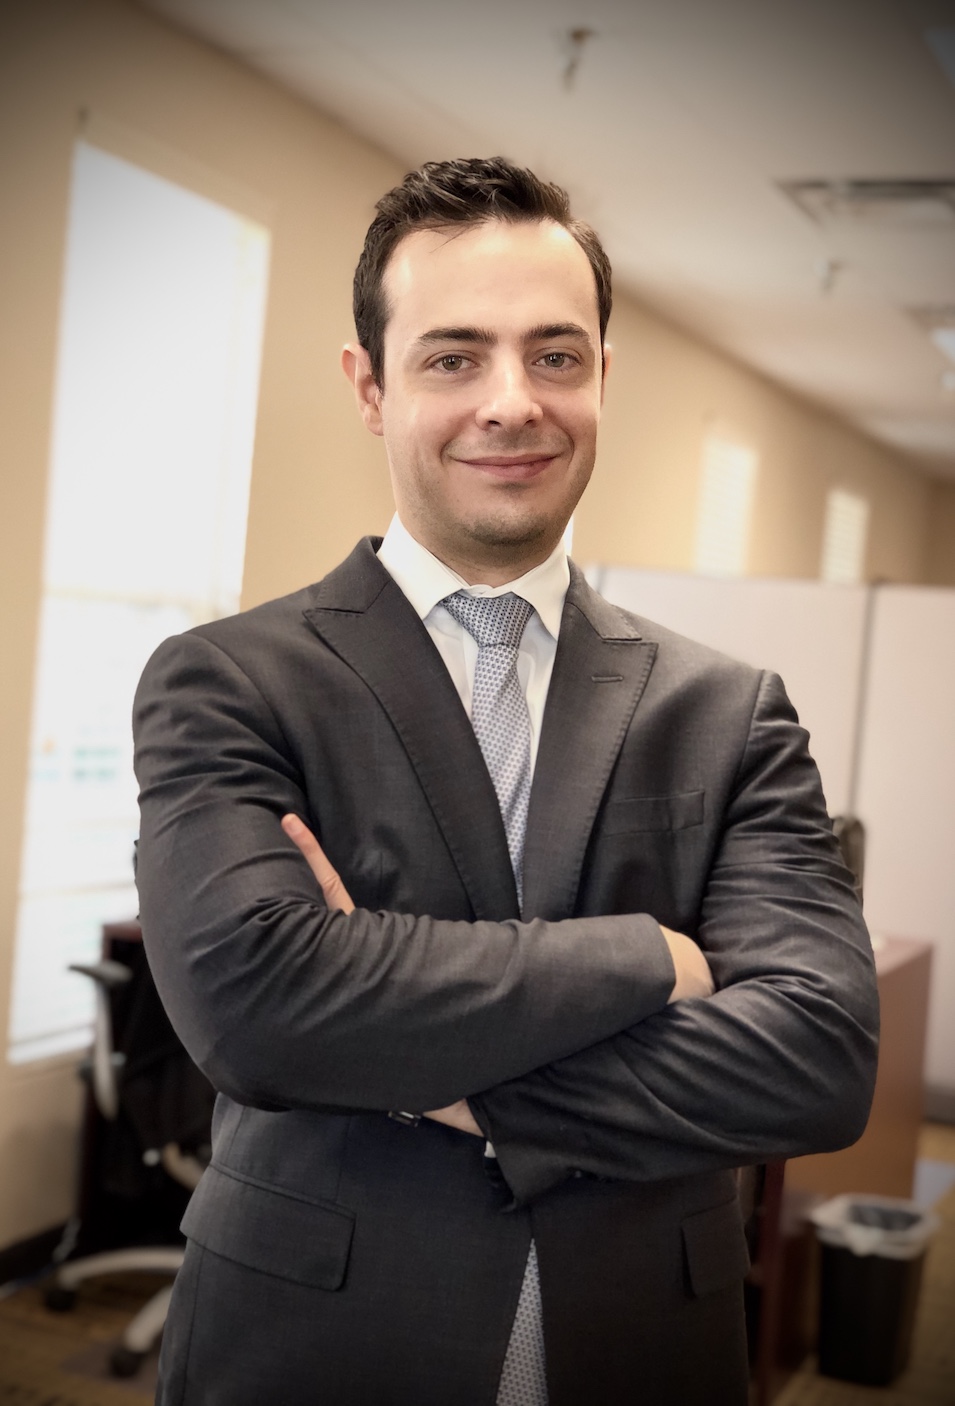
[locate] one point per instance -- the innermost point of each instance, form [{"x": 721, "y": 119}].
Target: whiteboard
[
  {"x": 906, "y": 792},
  {"x": 809, "y": 632}
]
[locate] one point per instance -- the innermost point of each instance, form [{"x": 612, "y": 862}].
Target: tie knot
[{"x": 491, "y": 619}]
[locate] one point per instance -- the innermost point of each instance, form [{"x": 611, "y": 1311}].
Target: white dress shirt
[{"x": 426, "y": 581}]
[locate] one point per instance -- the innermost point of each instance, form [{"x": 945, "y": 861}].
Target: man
[{"x": 545, "y": 831}]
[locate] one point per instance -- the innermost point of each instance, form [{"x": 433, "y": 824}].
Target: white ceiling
[{"x": 682, "y": 117}]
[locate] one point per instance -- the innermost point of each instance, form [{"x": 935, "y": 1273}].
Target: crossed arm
[
  {"x": 692, "y": 971},
  {"x": 568, "y": 1038}
]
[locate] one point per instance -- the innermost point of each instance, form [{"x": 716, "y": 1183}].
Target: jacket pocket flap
[
  {"x": 270, "y": 1230},
  {"x": 635, "y": 813},
  {"x": 715, "y": 1246}
]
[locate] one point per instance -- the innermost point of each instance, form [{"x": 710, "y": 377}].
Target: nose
[{"x": 509, "y": 402}]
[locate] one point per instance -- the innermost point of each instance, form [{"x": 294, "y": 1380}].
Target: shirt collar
[{"x": 426, "y": 581}]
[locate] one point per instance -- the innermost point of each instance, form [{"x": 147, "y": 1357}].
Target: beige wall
[
  {"x": 318, "y": 480},
  {"x": 665, "y": 392}
]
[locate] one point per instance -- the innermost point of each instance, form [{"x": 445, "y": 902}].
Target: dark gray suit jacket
[{"x": 338, "y": 1257}]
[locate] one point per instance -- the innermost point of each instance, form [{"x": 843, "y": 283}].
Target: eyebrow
[
  {"x": 457, "y": 334},
  {"x": 543, "y": 332},
  {"x": 546, "y": 331}
]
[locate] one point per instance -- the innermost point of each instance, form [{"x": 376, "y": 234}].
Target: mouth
[{"x": 515, "y": 468}]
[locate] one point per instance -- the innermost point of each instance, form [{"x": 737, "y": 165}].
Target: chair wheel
[
  {"x": 124, "y": 1362},
  {"x": 58, "y": 1299}
]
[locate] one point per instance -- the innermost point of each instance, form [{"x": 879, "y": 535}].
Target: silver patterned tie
[
  {"x": 503, "y": 730},
  {"x": 499, "y": 713}
]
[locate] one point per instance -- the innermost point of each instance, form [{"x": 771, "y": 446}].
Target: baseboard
[
  {"x": 939, "y": 1104},
  {"x": 28, "y": 1257}
]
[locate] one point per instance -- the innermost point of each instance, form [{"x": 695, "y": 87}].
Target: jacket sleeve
[
  {"x": 779, "y": 1062},
  {"x": 285, "y": 1004}
]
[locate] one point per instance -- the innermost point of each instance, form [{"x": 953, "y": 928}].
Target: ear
[
  {"x": 607, "y": 358},
  {"x": 356, "y": 365}
]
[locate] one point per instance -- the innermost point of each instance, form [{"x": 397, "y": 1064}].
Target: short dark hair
[{"x": 471, "y": 191}]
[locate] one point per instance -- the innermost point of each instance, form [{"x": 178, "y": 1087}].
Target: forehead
[{"x": 493, "y": 274}]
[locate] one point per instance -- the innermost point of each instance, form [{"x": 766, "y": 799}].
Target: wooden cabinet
[{"x": 883, "y": 1160}]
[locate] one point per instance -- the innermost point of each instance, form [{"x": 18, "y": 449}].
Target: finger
[
  {"x": 692, "y": 971},
  {"x": 336, "y": 894},
  {"x": 302, "y": 836},
  {"x": 443, "y": 1115},
  {"x": 456, "y": 1115}
]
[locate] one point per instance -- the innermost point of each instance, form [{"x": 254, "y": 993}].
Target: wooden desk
[{"x": 883, "y": 1160}]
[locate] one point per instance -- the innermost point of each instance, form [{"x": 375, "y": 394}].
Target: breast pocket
[{"x": 634, "y": 815}]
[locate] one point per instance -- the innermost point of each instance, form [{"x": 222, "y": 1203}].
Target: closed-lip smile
[{"x": 510, "y": 465}]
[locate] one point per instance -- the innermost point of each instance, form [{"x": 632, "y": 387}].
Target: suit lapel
[
  {"x": 600, "y": 671},
  {"x": 363, "y": 616}
]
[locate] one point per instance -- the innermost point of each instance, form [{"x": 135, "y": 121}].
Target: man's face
[{"x": 492, "y": 390}]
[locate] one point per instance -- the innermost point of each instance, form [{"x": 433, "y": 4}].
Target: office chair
[
  {"x": 850, "y": 834},
  {"x": 154, "y": 1087}
]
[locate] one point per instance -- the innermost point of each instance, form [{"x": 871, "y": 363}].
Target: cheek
[
  {"x": 402, "y": 434},
  {"x": 580, "y": 425},
  {"x": 431, "y": 427}
]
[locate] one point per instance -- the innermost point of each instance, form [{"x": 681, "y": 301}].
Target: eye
[
  {"x": 557, "y": 361},
  {"x": 451, "y": 361}
]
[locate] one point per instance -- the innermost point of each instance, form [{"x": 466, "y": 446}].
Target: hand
[
  {"x": 457, "y": 1115},
  {"x": 336, "y": 895},
  {"x": 693, "y": 975}
]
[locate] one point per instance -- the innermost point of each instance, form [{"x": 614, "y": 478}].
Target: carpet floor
[{"x": 62, "y": 1359}]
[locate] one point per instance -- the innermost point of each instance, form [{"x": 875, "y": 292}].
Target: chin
[{"x": 502, "y": 533}]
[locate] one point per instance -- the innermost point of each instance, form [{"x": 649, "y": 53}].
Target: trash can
[{"x": 873, "y": 1250}]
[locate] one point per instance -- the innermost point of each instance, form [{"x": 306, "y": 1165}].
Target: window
[
  {"x": 157, "y": 382},
  {"x": 844, "y": 537},
  {"x": 727, "y": 486}
]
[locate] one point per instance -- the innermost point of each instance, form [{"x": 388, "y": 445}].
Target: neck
[{"x": 485, "y": 567}]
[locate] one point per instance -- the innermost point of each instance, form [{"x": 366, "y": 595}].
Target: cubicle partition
[{"x": 906, "y": 796}]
